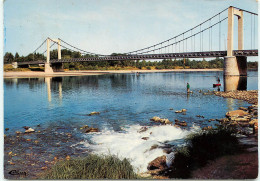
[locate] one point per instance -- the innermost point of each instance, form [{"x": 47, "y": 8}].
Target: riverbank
[
  {"x": 26, "y": 74},
  {"x": 251, "y": 96}
]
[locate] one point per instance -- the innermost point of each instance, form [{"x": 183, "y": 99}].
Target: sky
[{"x": 108, "y": 26}]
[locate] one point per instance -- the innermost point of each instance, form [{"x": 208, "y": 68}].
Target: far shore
[{"x": 13, "y": 74}]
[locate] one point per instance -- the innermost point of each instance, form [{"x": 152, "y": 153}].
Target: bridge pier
[
  {"x": 235, "y": 66},
  {"x": 48, "y": 69},
  {"x": 232, "y": 83}
]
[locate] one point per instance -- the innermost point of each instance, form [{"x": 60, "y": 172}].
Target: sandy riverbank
[{"x": 94, "y": 72}]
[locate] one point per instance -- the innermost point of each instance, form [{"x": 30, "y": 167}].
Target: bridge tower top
[
  {"x": 230, "y": 36},
  {"x": 58, "y": 41}
]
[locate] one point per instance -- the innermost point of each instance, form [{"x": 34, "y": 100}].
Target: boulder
[
  {"x": 178, "y": 111},
  {"x": 145, "y": 138},
  {"x": 158, "y": 163},
  {"x": 93, "y": 113},
  {"x": 183, "y": 110},
  {"x": 236, "y": 113},
  {"x": 18, "y": 132},
  {"x": 6, "y": 129},
  {"x": 253, "y": 122},
  {"x": 91, "y": 130},
  {"x": 29, "y": 130},
  {"x": 155, "y": 119},
  {"x": 166, "y": 121}
]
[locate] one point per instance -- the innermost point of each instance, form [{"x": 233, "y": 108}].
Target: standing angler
[{"x": 188, "y": 87}]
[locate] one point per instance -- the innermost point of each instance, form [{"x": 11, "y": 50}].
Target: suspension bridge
[{"x": 197, "y": 42}]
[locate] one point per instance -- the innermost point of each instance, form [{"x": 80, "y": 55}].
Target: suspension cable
[
  {"x": 179, "y": 34},
  {"x": 40, "y": 46},
  {"x": 79, "y": 48}
]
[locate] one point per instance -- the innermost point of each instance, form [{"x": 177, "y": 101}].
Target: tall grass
[
  {"x": 202, "y": 147},
  {"x": 92, "y": 167}
]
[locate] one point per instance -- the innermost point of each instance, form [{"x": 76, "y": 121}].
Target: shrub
[{"x": 92, "y": 167}]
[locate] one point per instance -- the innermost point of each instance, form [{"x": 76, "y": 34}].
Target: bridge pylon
[
  {"x": 48, "y": 67},
  {"x": 235, "y": 65}
]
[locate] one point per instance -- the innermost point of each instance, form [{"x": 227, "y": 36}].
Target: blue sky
[{"x": 107, "y": 26}]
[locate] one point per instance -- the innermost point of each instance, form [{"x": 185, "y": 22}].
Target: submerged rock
[
  {"x": 143, "y": 129},
  {"x": 199, "y": 116},
  {"x": 91, "y": 130},
  {"x": 93, "y": 113},
  {"x": 180, "y": 123},
  {"x": 181, "y": 111},
  {"x": 84, "y": 127}
]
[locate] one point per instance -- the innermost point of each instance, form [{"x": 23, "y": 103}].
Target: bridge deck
[{"x": 209, "y": 54}]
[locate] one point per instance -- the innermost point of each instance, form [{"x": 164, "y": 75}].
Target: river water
[{"x": 126, "y": 102}]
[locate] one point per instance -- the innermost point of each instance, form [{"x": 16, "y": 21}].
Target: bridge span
[{"x": 209, "y": 54}]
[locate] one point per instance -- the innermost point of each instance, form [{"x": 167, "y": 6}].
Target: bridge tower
[
  {"x": 56, "y": 66},
  {"x": 235, "y": 65}
]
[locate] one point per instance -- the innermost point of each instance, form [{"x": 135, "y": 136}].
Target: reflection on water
[
  {"x": 53, "y": 80},
  {"x": 235, "y": 83}
]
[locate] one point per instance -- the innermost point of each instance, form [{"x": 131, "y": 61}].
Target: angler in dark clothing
[{"x": 188, "y": 87}]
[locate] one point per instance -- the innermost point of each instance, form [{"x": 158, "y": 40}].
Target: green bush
[{"x": 92, "y": 167}]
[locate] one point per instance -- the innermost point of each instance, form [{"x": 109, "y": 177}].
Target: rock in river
[
  {"x": 90, "y": 130},
  {"x": 180, "y": 123},
  {"x": 29, "y": 130},
  {"x": 160, "y": 120},
  {"x": 158, "y": 163},
  {"x": 93, "y": 113},
  {"x": 236, "y": 113}
]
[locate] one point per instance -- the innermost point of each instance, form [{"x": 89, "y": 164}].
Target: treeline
[{"x": 109, "y": 65}]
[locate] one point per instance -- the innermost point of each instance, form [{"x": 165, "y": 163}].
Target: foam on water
[{"x": 129, "y": 144}]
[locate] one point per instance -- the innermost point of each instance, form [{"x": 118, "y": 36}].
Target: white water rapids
[{"x": 130, "y": 145}]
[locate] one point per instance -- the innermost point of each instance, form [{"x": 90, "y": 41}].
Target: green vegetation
[
  {"x": 121, "y": 65},
  {"x": 92, "y": 167},
  {"x": 202, "y": 147},
  {"x": 9, "y": 67}
]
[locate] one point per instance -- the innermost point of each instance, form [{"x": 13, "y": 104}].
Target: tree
[
  {"x": 16, "y": 56},
  {"x": 8, "y": 57}
]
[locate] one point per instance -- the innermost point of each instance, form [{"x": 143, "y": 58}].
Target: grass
[
  {"x": 202, "y": 147},
  {"x": 9, "y": 68},
  {"x": 92, "y": 167}
]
